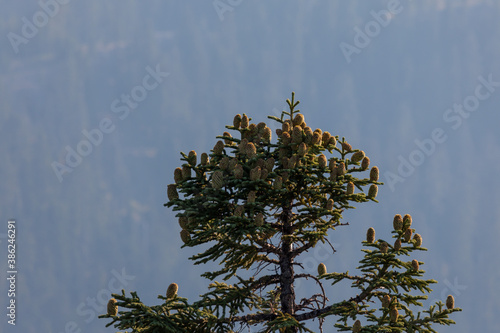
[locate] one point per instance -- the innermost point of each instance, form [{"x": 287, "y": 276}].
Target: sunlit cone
[
  {"x": 227, "y": 141},
  {"x": 251, "y": 196},
  {"x": 255, "y": 173},
  {"x": 350, "y": 188},
  {"x": 183, "y": 222},
  {"x": 332, "y": 141},
  {"x": 204, "y": 159},
  {"x": 308, "y": 134},
  {"x": 372, "y": 191},
  {"x": 192, "y": 158},
  {"x": 267, "y": 134},
  {"x": 332, "y": 164},
  {"x": 286, "y": 138},
  {"x": 269, "y": 164},
  {"x": 243, "y": 146},
  {"x": 251, "y": 134},
  {"x": 398, "y": 222},
  {"x": 370, "y": 235},
  {"x": 418, "y": 240},
  {"x": 365, "y": 163},
  {"x": 261, "y": 126},
  {"x": 384, "y": 247},
  {"x": 322, "y": 161},
  {"x": 172, "y": 192},
  {"x": 185, "y": 236},
  {"x": 259, "y": 220},
  {"x": 415, "y": 265},
  {"x": 250, "y": 150},
  {"x": 450, "y": 302},
  {"x": 217, "y": 179},
  {"x": 407, "y": 235},
  {"x": 302, "y": 151},
  {"x": 237, "y": 121},
  {"x": 178, "y": 175},
  {"x": 238, "y": 211},
  {"x": 297, "y": 134},
  {"x": 224, "y": 163},
  {"x": 238, "y": 171},
  {"x": 407, "y": 221},
  {"x": 341, "y": 169},
  {"x": 316, "y": 138},
  {"x": 298, "y": 120},
  {"x": 112, "y": 307},
  {"x": 321, "y": 269},
  {"x": 219, "y": 147},
  {"x": 279, "y": 132},
  {"x": 386, "y": 301},
  {"x": 329, "y": 204},
  {"x": 356, "y": 328},
  {"x": 172, "y": 290},
  {"x": 325, "y": 138},
  {"x": 285, "y": 127},
  {"x": 244, "y": 121},
  {"x": 186, "y": 172},
  {"x": 278, "y": 183},
  {"x": 357, "y": 156},
  {"x": 346, "y": 147},
  {"x": 397, "y": 244},
  {"x": 374, "y": 173},
  {"x": 394, "y": 314}
]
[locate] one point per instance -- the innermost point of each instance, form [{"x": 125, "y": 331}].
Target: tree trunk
[{"x": 286, "y": 266}]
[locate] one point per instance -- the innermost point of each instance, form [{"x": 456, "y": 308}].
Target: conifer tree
[{"x": 258, "y": 205}]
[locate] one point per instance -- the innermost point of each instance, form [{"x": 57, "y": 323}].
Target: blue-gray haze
[{"x": 126, "y": 85}]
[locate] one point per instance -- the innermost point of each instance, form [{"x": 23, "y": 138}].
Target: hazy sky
[{"x": 98, "y": 99}]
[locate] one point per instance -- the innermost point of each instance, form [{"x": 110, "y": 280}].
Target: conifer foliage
[{"x": 256, "y": 205}]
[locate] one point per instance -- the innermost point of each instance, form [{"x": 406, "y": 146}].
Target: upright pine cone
[
  {"x": 397, "y": 244},
  {"x": 178, "y": 175},
  {"x": 418, "y": 240},
  {"x": 217, "y": 179},
  {"x": 244, "y": 121},
  {"x": 398, "y": 222},
  {"x": 172, "y": 290},
  {"x": 259, "y": 220},
  {"x": 372, "y": 191},
  {"x": 172, "y": 192},
  {"x": 358, "y": 156},
  {"x": 370, "y": 235},
  {"x": 394, "y": 314},
  {"x": 450, "y": 302},
  {"x": 356, "y": 328},
  {"x": 365, "y": 163},
  {"x": 374, "y": 173},
  {"x": 185, "y": 236},
  {"x": 407, "y": 221},
  {"x": 321, "y": 269},
  {"x": 192, "y": 158},
  {"x": 112, "y": 307},
  {"x": 237, "y": 121},
  {"x": 322, "y": 161}
]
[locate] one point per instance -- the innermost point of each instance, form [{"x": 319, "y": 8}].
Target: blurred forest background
[{"x": 104, "y": 228}]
